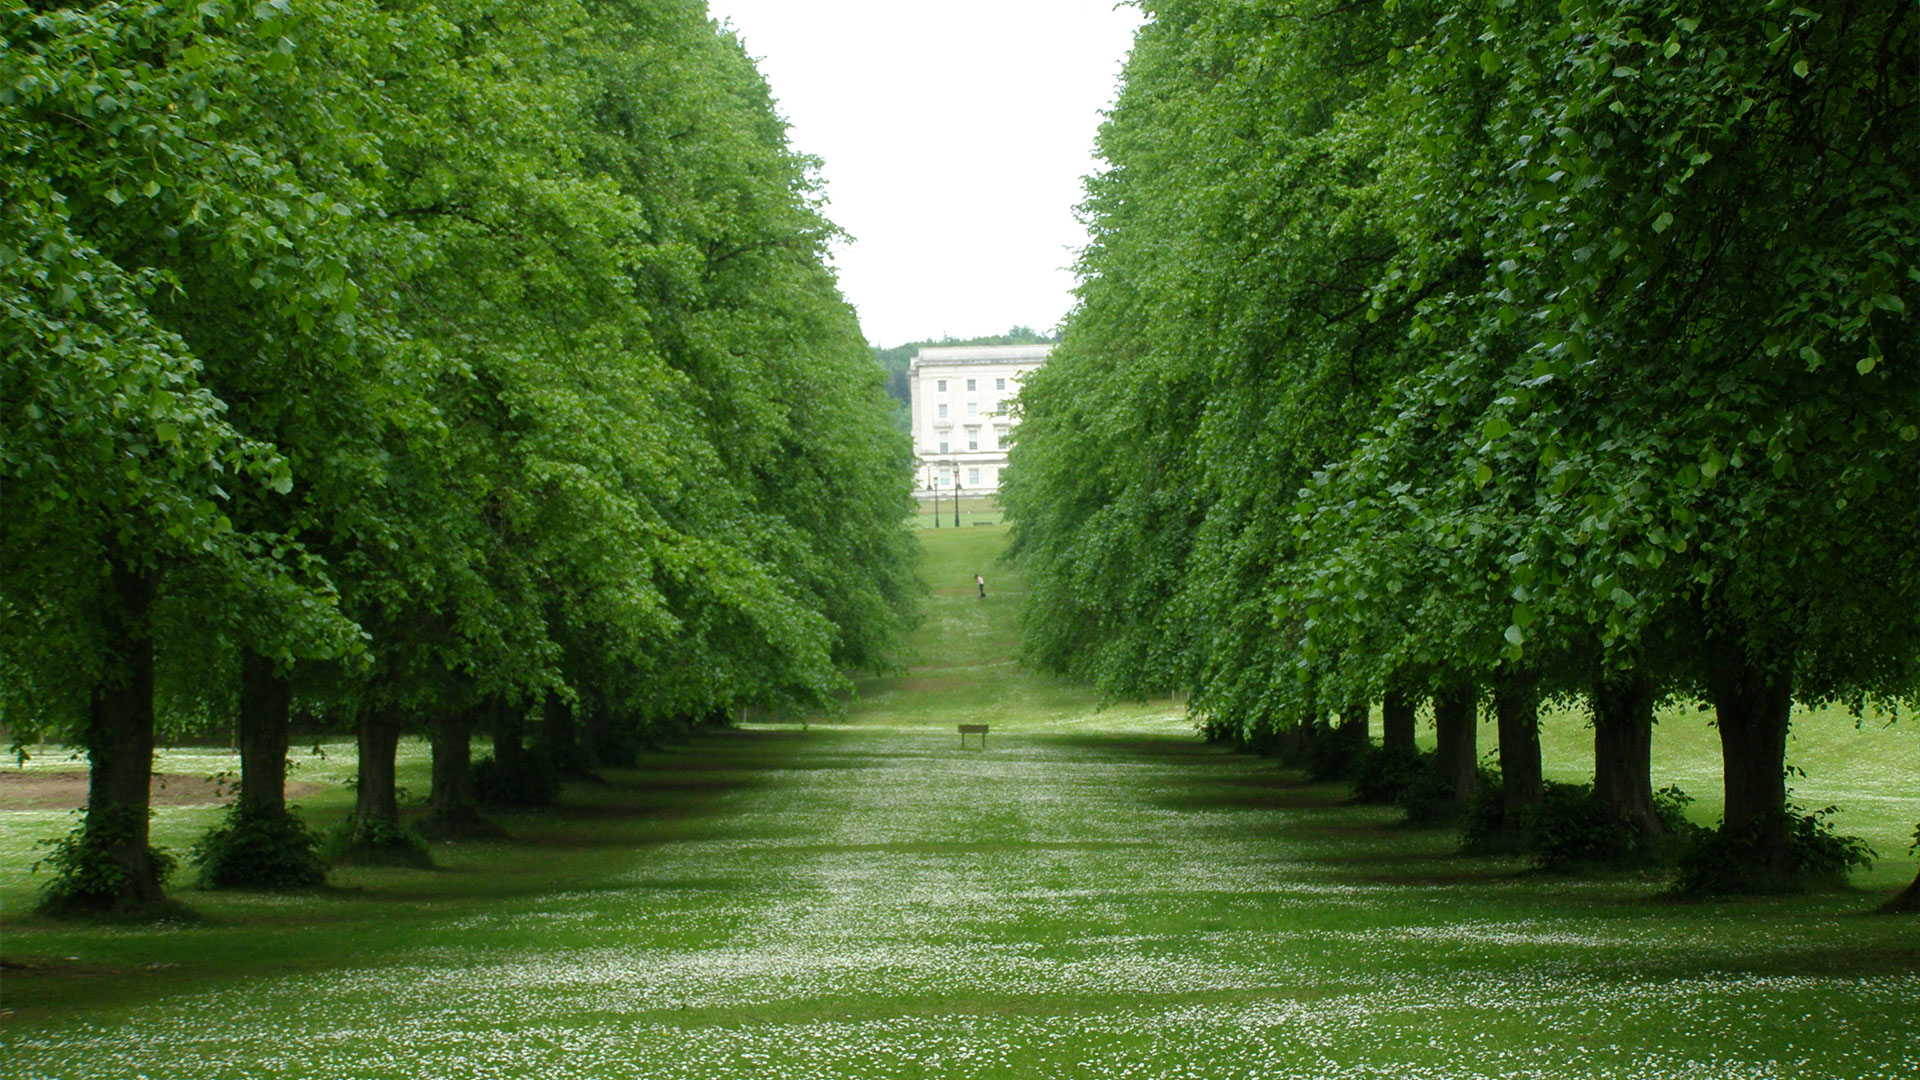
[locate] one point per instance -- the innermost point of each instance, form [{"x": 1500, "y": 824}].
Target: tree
[{"x": 122, "y": 478}]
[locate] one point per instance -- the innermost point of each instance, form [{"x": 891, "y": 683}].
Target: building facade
[{"x": 961, "y": 429}]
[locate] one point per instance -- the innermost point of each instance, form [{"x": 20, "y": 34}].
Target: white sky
[{"x": 954, "y": 137}]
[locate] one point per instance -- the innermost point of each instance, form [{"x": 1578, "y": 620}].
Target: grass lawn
[
  {"x": 1095, "y": 894},
  {"x": 974, "y": 510}
]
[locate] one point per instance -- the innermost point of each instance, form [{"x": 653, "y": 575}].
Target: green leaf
[
  {"x": 1865, "y": 365},
  {"x": 1482, "y": 475},
  {"x": 1661, "y": 223},
  {"x": 1515, "y": 635}
]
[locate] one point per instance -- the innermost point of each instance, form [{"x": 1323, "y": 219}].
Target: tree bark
[
  {"x": 265, "y": 697},
  {"x": 1455, "y": 734},
  {"x": 1752, "y": 695},
  {"x": 1352, "y": 732},
  {"x": 598, "y": 731},
  {"x": 509, "y": 736},
  {"x": 560, "y": 737},
  {"x": 1516, "y": 704},
  {"x": 1905, "y": 902},
  {"x": 377, "y": 801},
  {"x": 119, "y": 741},
  {"x": 1623, "y": 751},
  {"x": 451, "y": 800},
  {"x": 1396, "y": 722}
]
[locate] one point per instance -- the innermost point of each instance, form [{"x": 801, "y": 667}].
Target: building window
[
  {"x": 943, "y": 412},
  {"x": 943, "y": 446},
  {"x": 969, "y": 386},
  {"x": 973, "y": 408},
  {"x": 973, "y": 477},
  {"x": 999, "y": 384},
  {"x": 973, "y": 443},
  {"x": 940, "y": 385}
]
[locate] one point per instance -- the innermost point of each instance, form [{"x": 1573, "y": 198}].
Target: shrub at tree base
[
  {"x": 1732, "y": 861},
  {"x": 89, "y": 878},
  {"x": 1428, "y": 798},
  {"x": 1382, "y": 774},
  {"x": 259, "y": 849},
  {"x": 572, "y": 761},
  {"x": 375, "y": 843},
  {"x": 1330, "y": 758},
  {"x": 528, "y": 781},
  {"x": 1570, "y": 830},
  {"x": 618, "y": 746}
]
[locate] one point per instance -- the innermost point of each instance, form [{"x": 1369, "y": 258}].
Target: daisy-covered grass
[{"x": 1096, "y": 894}]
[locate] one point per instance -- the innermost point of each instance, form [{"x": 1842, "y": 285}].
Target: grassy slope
[{"x": 1094, "y": 895}]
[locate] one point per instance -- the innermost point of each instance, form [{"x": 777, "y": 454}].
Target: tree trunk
[
  {"x": 1455, "y": 732},
  {"x": 377, "y": 802},
  {"x": 1623, "y": 751},
  {"x": 1905, "y": 902},
  {"x": 1352, "y": 732},
  {"x": 265, "y": 697},
  {"x": 119, "y": 741},
  {"x": 560, "y": 737},
  {"x": 509, "y": 736},
  {"x": 1396, "y": 722},
  {"x": 453, "y": 806},
  {"x": 1751, "y": 699},
  {"x": 1516, "y": 703},
  {"x": 604, "y": 743}
]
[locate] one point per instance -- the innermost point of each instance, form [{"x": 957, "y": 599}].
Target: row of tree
[
  {"x": 417, "y": 363},
  {"x": 1479, "y": 350}
]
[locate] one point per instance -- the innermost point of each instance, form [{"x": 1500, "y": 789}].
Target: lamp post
[
  {"x": 934, "y": 486},
  {"x": 956, "y": 495}
]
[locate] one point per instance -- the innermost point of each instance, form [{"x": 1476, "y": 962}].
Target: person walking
[{"x": 982, "y": 582}]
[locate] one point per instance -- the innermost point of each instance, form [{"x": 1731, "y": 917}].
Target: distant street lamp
[{"x": 956, "y": 496}]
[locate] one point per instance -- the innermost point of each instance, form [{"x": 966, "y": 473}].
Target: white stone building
[{"x": 960, "y": 395}]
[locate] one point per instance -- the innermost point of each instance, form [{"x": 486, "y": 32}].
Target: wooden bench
[{"x": 973, "y": 729}]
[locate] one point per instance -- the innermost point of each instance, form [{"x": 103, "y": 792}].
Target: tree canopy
[
  {"x": 430, "y": 354},
  {"x": 1438, "y": 345}
]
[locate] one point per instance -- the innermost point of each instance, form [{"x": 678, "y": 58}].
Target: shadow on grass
[{"x": 368, "y": 914}]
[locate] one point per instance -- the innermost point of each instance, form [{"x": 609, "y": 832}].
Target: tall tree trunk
[
  {"x": 1516, "y": 704},
  {"x": 377, "y": 802},
  {"x": 1396, "y": 722},
  {"x": 119, "y": 740},
  {"x": 453, "y": 807},
  {"x": 265, "y": 697},
  {"x": 509, "y": 735},
  {"x": 1455, "y": 728},
  {"x": 1623, "y": 750},
  {"x": 1752, "y": 695},
  {"x": 560, "y": 737}
]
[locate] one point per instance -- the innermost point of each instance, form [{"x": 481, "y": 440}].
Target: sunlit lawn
[{"x": 1096, "y": 894}]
